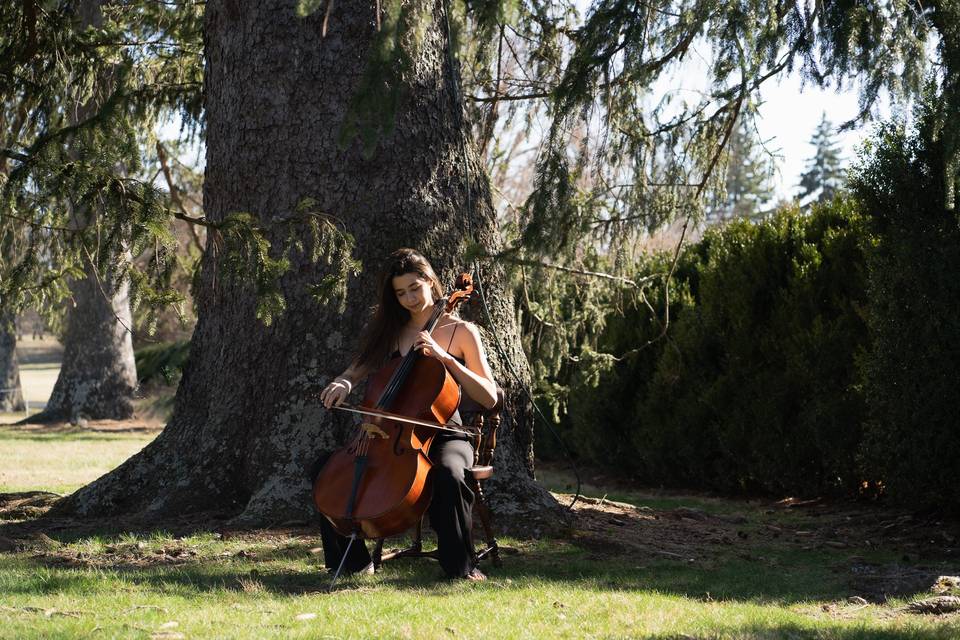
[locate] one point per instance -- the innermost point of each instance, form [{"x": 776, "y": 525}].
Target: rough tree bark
[
  {"x": 11, "y": 396},
  {"x": 247, "y": 426},
  {"x": 98, "y": 376}
]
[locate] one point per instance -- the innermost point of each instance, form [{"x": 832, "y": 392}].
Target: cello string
[
  {"x": 396, "y": 381},
  {"x": 406, "y": 365},
  {"x": 359, "y": 440},
  {"x": 403, "y": 370},
  {"x": 393, "y": 387}
]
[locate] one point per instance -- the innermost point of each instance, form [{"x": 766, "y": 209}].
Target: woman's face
[{"x": 413, "y": 292}]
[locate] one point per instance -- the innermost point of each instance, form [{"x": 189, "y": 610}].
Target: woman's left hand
[{"x": 427, "y": 346}]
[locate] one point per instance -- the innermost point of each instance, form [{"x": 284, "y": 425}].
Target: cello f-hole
[{"x": 397, "y": 449}]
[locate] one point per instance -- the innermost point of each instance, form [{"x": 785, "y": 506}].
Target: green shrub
[
  {"x": 162, "y": 363},
  {"x": 912, "y": 375},
  {"x": 806, "y": 353},
  {"x": 604, "y": 392},
  {"x": 755, "y": 388}
]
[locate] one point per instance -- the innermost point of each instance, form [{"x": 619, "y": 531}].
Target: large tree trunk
[
  {"x": 11, "y": 396},
  {"x": 248, "y": 428},
  {"x": 98, "y": 376}
]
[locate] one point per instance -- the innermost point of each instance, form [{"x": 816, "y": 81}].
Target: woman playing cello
[{"x": 409, "y": 289}]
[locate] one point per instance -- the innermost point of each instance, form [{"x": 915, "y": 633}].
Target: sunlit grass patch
[
  {"x": 676, "y": 566},
  {"x": 270, "y": 586},
  {"x": 61, "y": 460}
]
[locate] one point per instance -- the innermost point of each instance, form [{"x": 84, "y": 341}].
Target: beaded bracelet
[{"x": 346, "y": 382}]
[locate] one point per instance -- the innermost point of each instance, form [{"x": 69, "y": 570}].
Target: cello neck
[
  {"x": 464, "y": 289},
  {"x": 438, "y": 308},
  {"x": 400, "y": 375}
]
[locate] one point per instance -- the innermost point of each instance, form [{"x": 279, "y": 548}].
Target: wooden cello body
[{"x": 379, "y": 484}]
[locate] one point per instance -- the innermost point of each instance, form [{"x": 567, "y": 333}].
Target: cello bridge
[{"x": 373, "y": 430}]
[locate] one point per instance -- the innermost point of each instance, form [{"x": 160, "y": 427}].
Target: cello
[{"x": 379, "y": 484}]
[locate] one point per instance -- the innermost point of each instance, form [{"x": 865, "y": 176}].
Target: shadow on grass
[
  {"x": 682, "y": 552},
  {"x": 778, "y": 577},
  {"x": 26, "y": 431},
  {"x": 267, "y": 574},
  {"x": 797, "y": 632}
]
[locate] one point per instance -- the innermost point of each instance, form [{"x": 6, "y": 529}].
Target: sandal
[
  {"x": 367, "y": 570},
  {"x": 475, "y": 575}
]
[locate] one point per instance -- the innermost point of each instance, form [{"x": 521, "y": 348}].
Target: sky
[
  {"x": 788, "y": 114},
  {"x": 788, "y": 117}
]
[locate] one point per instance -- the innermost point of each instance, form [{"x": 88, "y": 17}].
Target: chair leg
[
  {"x": 415, "y": 550},
  {"x": 378, "y": 554},
  {"x": 493, "y": 549},
  {"x": 418, "y": 540}
]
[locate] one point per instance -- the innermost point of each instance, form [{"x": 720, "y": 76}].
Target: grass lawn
[
  {"x": 663, "y": 566},
  {"x": 61, "y": 459}
]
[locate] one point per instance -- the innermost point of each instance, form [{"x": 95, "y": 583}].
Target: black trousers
[{"x": 451, "y": 514}]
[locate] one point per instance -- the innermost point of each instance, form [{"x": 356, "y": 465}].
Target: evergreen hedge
[
  {"x": 162, "y": 363},
  {"x": 756, "y": 387},
  {"x": 808, "y": 354},
  {"x": 912, "y": 375}
]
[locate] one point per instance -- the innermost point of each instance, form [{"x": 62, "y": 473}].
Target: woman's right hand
[{"x": 336, "y": 392}]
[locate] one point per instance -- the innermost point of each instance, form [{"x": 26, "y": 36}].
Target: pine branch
[
  {"x": 175, "y": 194},
  {"x": 37, "y": 225},
  {"x": 509, "y": 98},
  {"x": 506, "y": 256}
]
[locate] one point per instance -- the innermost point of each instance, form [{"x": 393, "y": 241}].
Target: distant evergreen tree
[
  {"x": 748, "y": 180},
  {"x": 824, "y": 175}
]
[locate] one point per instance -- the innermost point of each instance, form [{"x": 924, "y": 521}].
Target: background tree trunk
[
  {"x": 11, "y": 396},
  {"x": 98, "y": 376},
  {"x": 248, "y": 428}
]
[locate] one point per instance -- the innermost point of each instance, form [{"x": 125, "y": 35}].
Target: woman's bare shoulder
[
  {"x": 451, "y": 321},
  {"x": 460, "y": 324}
]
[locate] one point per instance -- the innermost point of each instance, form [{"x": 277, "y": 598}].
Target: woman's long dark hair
[{"x": 389, "y": 316}]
